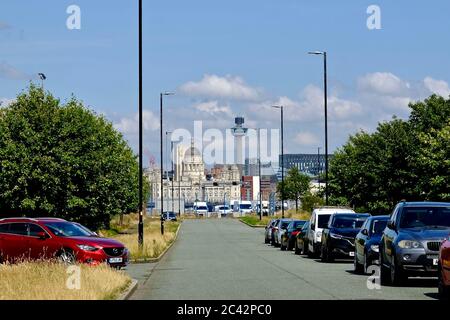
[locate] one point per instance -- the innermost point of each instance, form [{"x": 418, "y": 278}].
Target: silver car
[{"x": 281, "y": 228}]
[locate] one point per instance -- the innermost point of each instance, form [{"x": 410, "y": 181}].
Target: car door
[
  {"x": 41, "y": 248},
  {"x": 311, "y": 230},
  {"x": 15, "y": 241},
  {"x": 389, "y": 236},
  {"x": 361, "y": 239}
]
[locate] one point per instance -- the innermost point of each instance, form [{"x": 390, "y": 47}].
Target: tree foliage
[
  {"x": 63, "y": 160},
  {"x": 296, "y": 185},
  {"x": 400, "y": 160}
]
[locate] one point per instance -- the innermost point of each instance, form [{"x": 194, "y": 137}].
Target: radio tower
[{"x": 239, "y": 133}]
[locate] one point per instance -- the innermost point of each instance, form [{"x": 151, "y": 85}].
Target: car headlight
[
  {"x": 335, "y": 236},
  {"x": 375, "y": 248},
  {"x": 409, "y": 244},
  {"x": 86, "y": 247}
]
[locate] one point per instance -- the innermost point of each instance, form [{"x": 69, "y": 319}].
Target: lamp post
[
  {"x": 324, "y": 54},
  {"x": 282, "y": 159},
  {"x": 42, "y": 77},
  {"x": 141, "y": 196},
  {"x": 318, "y": 166},
  {"x": 161, "y": 95},
  {"x": 259, "y": 173}
]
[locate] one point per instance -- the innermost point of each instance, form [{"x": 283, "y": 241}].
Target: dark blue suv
[{"x": 410, "y": 243}]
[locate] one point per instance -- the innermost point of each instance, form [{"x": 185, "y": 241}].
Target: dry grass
[
  {"x": 46, "y": 280},
  {"x": 154, "y": 242}
]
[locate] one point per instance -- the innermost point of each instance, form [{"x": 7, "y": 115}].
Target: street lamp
[
  {"x": 318, "y": 166},
  {"x": 161, "y": 95},
  {"x": 282, "y": 159},
  {"x": 324, "y": 54},
  {"x": 167, "y": 155},
  {"x": 42, "y": 77},
  {"x": 259, "y": 173},
  {"x": 141, "y": 196}
]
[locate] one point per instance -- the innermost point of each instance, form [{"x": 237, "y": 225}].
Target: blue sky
[{"x": 225, "y": 58}]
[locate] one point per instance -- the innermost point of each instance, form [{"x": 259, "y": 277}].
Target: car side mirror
[
  {"x": 391, "y": 225},
  {"x": 42, "y": 235},
  {"x": 365, "y": 232}
]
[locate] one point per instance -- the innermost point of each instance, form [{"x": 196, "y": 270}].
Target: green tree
[
  {"x": 400, "y": 160},
  {"x": 63, "y": 160},
  {"x": 296, "y": 185}
]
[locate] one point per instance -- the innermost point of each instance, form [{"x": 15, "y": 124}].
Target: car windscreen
[
  {"x": 379, "y": 226},
  {"x": 417, "y": 217},
  {"x": 245, "y": 206},
  {"x": 296, "y": 224},
  {"x": 323, "y": 220},
  {"x": 284, "y": 224},
  {"x": 346, "y": 222},
  {"x": 202, "y": 208},
  {"x": 67, "y": 229}
]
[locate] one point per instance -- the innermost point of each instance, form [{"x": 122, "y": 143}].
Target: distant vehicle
[
  {"x": 200, "y": 208},
  {"x": 48, "y": 238},
  {"x": 280, "y": 230},
  {"x": 264, "y": 208},
  {"x": 338, "y": 238},
  {"x": 288, "y": 238},
  {"x": 169, "y": 216},
  {"x": 319, "y": 220},
  {"x": 444, "y": 269},
  {"x": 245, "y": 207},
  {"x": 301, "y": 241},
  {"x": 223, "y": 210},
  {"x": 411, "y": 242},
  {"x": 367, "y": 243},
  {"x": 268, "y": 231},
  {"x": 274, "y": 231}
]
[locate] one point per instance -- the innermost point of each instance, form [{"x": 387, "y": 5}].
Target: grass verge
[
  {"x": 46, "y": 280},
  {"x": 254, "y": 221},
  {"x": 154, "y": 242}
]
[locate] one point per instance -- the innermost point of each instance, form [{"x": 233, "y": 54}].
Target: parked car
[
  {"x": 367, "y": 243},
  {"x": 47, "y": 238},
  {"x": 273, "y": 231},
  {"x": 223, "y": 210},
  {"x": 338, "y": 237},
  {"x": 319, "y": 220},
  {"x": 169, "y": 216},
  {"x": 268, "y": 231},
  {"x": 281, "y": 228},
  {"x": 411, "y": 242},
  {"x": 288, "y": 237},
  {"x": 444, "y": 269},
  {"x": 301, "y": 240}
]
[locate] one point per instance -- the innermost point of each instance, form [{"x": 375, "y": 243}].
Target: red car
[
  {"x": 47, "y": 238},
  {"x": 444, "y": 269}
]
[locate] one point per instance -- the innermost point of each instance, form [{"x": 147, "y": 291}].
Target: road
[{"x": 225, "y": 259}]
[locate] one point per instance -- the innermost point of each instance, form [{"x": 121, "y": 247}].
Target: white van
[
  {"x": 201, "y": 208},
  {"x": 245, "y": 207},
  {"x": 319, "y": 220}
]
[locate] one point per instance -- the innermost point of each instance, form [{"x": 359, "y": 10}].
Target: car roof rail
[
  {"x": 50, "y": 218},
  {"x": 334, "y": 207},
  {"x": 17, "y": 218}
]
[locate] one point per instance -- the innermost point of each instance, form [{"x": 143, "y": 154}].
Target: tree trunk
[{"x": 296, "y": 203}]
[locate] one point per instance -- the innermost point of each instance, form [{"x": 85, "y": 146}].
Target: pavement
[{"x": 224, "y": 259}]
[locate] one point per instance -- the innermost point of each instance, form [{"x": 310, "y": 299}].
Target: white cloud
[
  {"x": 213, "y": 108},
  {"x": 150, "y": 122},
  {"x": 439, "y": 87},
  {"x": 227, "y": 87},
  {"x": 4, "y": 102},
  {"x": 384, "y": 83},
  {"x": 307, "y": 138}
]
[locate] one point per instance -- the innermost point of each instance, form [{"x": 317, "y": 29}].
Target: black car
[
  {"x": 169, "y": 216},
  {"x": 301, "y": 240},
  {"x": 411, "y": 241},
  {"x": 338, "y": 238},
  {"x": 288, "y": 237},
  {"x": 367, "y": 243}
]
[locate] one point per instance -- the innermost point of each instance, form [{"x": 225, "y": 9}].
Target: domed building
[{"x": 190, "y": 183}]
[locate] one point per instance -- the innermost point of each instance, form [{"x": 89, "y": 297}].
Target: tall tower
[{"x": 239, "y": 133}]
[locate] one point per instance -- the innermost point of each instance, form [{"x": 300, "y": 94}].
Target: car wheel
[
  {"x": 66, "y": 256},
  {"x": 397, "y": 275},
  {"x": 282, "y": 247},
  {"x": 366, "y": 264},
  {"x": 266, "y": 240},
  {"x": 384, "y": 271},
  {"x": 304, "y": 249},
  {"x": 358, "y": 268},
  {"x": 289, "y": 246},
  {"x": 296, "y": 248}
]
